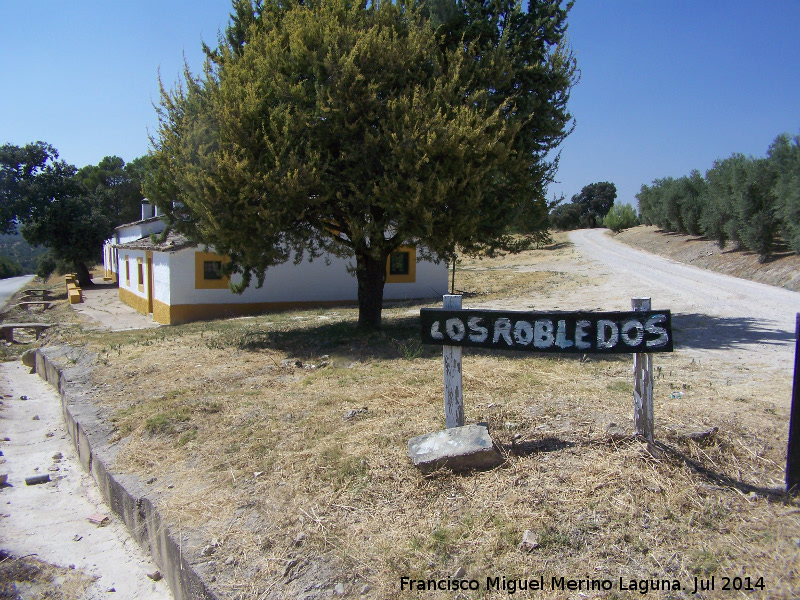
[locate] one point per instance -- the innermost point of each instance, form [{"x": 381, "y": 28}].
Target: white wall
[
  {"x": 125, "y": 235},
  {"x": 136, "y": 231},
  {"x": 161, "y": 277},
  {"x": 133, "y": 287},
  {"x": 315, "y": 281},
  {"x": 431, "y": 282}
]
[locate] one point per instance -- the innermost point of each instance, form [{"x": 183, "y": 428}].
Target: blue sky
[{"x": 666, "y": 86}]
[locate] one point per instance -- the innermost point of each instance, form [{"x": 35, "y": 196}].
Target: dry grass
[
  {"x": 514, "y": 275},
  {"x": 253, "y": 451},
  {"x": 30, "y": 578}
]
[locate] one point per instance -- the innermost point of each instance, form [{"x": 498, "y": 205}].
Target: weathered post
[
  {"x": 793, "y": 453},
  {"x": 643, "y": 384},
  {"x": 453, "y": 391}
]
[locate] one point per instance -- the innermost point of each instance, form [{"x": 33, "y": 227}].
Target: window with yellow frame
[
  {"x": 208, "y": 271},
  {"x": 401, "y": 267}
]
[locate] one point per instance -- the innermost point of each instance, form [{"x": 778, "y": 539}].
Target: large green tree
[
  {"x": 588, "y": 208},
  {"x": 116, "y": 186},
  {"x": 353, "y": 128},
  {"x": 42, "y": 195},
  {"x": 595, "y": 200}
]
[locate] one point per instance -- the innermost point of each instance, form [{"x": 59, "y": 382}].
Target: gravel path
[
  {"x": 713, "y": 311},
  {"x": 50, "y": 520},
  {"x": 743, "y": 329}
]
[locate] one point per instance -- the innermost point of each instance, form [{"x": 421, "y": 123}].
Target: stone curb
[{"x": 67, "y": 369}]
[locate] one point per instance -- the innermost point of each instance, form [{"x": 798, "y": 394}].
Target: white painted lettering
[
  {"x": 651, "y": 327},
  {"x": 435, "y": 333},
  {"x": 561, "y": 336},
  {"x": 523, "y": 332},
  {"x": 502, "y": 328},
  {"x": 455, "y": 329},
  {"x": 580, "y": 333},
  {"x": 638, "y": 329},
  {"x": 607, "y": 341},
  {"x": 476, "y": 332},
  {"x": 543, "y": 334}
]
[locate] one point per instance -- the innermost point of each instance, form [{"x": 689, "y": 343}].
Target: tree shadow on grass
[
  {"x": 726, "y": 481},
  {"x": 559, "y": 245},
  {"x": 699, "y": 331},
  {"x": 527, "y": 448},
  {"x": 400, "y": 337}
]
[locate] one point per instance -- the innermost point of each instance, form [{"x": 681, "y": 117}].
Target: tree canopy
[
  {"x": 70, "y": 212},
  {"x": 595, "y": 200},
  {"x": 587, "y": 208},
  {"x": 754, "y": 203},
  {"x": 352, "y": 128},
  {"x": 116, "y": 186}
]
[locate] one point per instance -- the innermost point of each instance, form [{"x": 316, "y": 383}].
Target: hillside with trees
[
  {"x": 751, "y": 203},
  {"x": 15, "y": 249}
]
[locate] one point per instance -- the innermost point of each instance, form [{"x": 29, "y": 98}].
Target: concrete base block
[{"x": 458, "y": 449}]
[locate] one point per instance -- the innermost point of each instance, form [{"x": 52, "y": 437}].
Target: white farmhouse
[{"x": 176, "y": 281}]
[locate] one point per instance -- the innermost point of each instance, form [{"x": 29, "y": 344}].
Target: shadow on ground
[
  {"x": 400, "y": 337},
  {"x": 527, "y": 448},
  {"x": 717, "y": 333},
  {"x": 778, "y": 494}
]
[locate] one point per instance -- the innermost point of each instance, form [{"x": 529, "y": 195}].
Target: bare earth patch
[
  {"x": 28, "y": 578},
  {"x": 276, "y": 447}
]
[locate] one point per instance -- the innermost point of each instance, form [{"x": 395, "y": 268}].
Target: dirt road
[
  {"x": 744, "y": 331},
  {"x": 713, "y": 311},
  {"x": 690, "y": 289}
]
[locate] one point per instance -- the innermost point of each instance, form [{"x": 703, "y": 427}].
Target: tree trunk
[
  {"x": 84, "y": 277},
  {"x": 371, "y": 275}
]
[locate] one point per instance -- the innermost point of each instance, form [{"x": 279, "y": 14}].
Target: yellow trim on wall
[
  {"x": 161, "y": 312},
  {"x": 184, "y": 313},
  {"x": 200, "y": 282},
  {"x": 135, "y": 301},
  {"x": 148, "y": 258},
  {"x": 411, "y": 277}
]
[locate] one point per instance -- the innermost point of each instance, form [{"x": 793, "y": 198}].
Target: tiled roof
[{"x": 172, "y": 243}]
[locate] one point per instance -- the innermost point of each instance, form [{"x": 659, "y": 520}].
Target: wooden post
[
  {"x": 793, "y": 453},
  {"x": 453, "y": 394},
  {"x": 453, "y": 280},
  {"x": 643, "y": 384}
]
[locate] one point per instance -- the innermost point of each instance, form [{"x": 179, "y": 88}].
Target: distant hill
[{"x": 13, "y": 247}]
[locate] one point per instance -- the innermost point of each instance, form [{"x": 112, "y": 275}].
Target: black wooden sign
[{"x": 576, "y": 332}]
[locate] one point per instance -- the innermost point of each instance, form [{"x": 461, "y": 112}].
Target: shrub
[{"x": 621, "y": 216}]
